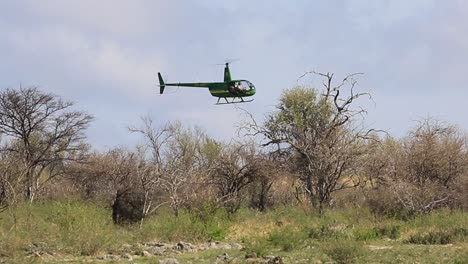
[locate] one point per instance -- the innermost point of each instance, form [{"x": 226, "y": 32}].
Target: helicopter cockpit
[{"x": 242, "y": 87}]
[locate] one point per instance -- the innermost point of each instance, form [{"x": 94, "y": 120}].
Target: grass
[{"x": 79, "y": 230}]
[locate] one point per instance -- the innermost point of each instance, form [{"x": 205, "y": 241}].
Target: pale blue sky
[{"x": 104, "y": 55}]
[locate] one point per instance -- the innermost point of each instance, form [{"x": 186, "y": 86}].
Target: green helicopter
[{"x": 232, "y": 91}]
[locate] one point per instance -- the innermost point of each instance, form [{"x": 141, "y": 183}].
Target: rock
[
  {"x": 46, "y": 255},
  {"x": 211, "y": 245},
  {"x": 107, "y": 257},
  {"x": 222, "y": 258},
  {"x": 157, "y": 244},
  {"x": 169, "y": 261},
  {"x": 184, "y": 246},
  {"x": 145, "y": 253},
  {"x": 38, "y": 249},
  {"x": 221, "y": 246},
  {"x": 157, "y": 251},
  {"x": 235, "y": 246},
  {"x": 371, "y": 247},
  {"x": 274, "y": 260},
  {"x": 127, "y": 256},
  {"x": 126, "y": 246},
  {"x": 41, "y": 245}
]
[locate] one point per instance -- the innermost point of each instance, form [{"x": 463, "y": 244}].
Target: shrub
[
  {"x": 439, "y": 237},
  {"x": 365, "y": 234},
  {"x": 216, "y": 232},
  {"x": 431, "y": 238},
  {"x": 392, "y": 232},
  {"x": 323, "y": 232},
  {"x": 286, "y": 239},
  {"x": 257, "y": 246},
  {"x": 128, "y": 207},
  {"x": 343, "y": 250}
]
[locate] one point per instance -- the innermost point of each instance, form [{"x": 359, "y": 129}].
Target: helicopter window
[
  {"x": 252, "y": 87},
  {"x": 245, "y": 86},
  {"x": 241, "y": 87}
]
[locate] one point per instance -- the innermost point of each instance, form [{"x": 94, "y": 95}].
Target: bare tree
[
  {"x": 43, "y": 131},
  {"x": 320, "y": 134},
  {"x": 149, "y": 181},
  {"x": 8, "y": 184},
  {"x": 435, "y": 158},
  {"x": 175, "y": 157},
  {"x": 420, "y": 172},
  {"x": 121, "y": 178},
  {"x": 237, "y": 166},
  {"x": 269, "y": 170}
]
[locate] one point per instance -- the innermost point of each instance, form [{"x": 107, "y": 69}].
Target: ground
[{"x": 79, "y": 232}]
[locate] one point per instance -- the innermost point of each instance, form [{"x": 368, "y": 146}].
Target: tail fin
[{"x": 161, "y": 83}]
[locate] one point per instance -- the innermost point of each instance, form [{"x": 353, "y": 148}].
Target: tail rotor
[{"x": 161, "y": 83}]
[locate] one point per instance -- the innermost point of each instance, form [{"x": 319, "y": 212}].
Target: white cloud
[
  {"x": 103, "y": 16},
  {"x": 368, "y": 14},
  {"x": 133, "y": 72},
  {"x": 128, "y": 70}
]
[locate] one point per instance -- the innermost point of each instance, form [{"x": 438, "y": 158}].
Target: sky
[{"x": 104, "y": 56}]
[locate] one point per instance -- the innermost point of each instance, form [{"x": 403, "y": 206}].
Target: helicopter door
[{"x": 235, "y": 88}]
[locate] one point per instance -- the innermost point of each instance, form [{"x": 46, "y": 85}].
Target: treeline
[{"x": 312, "y": 150}]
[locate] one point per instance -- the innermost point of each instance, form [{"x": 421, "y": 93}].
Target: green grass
[
  {"x": 80, "y": 231},
  {"x": 68, "y": 227},
  {"x": 186, "y": 227}
]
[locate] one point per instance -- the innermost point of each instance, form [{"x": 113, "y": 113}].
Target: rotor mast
[{"x": 227, "y": 73}]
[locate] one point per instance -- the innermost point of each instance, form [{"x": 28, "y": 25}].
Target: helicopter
[{"x": 232, "y": 91}]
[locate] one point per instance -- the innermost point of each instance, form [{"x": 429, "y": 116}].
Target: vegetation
[
  {"x": 82, "y": 230},
  {"x": 307, "y": 184}
]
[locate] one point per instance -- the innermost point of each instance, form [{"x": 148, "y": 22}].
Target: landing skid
[{"x": 235, "y": 100}]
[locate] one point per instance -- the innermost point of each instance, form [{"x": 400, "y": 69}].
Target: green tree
[{"x": 319, "y": 132}]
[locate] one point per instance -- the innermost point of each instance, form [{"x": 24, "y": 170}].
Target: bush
[
  {"x": 365, "y": 234},
  {"x": 343, "y": 250},
  {"x": 128, "y": 207},
  {"x": 216, "y": 232},
  {"x": 439, "y": 237},
  {"x": 323, "y": 232},
  {"x": 257, "y": 246},
  {"x": 392, "y": 232},
  {"x": 431, "y": 238},
  {"x": 286, "y": 239}
]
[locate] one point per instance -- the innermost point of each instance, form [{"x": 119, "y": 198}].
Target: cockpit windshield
[
  {"x": 246, "y": 86},
  {"x": 241, "y": 87}
]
